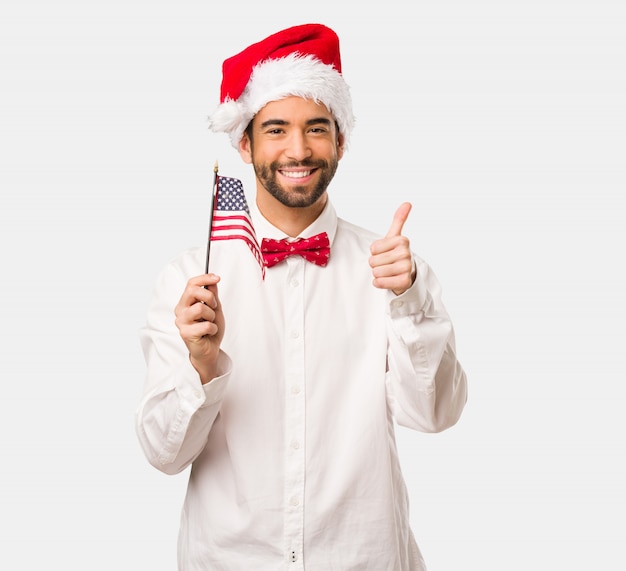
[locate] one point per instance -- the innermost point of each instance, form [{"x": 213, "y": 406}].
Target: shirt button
[
  {"x": 295, "y": 334},
  {"x": 295, "y": 390},
  {"x": 294, "y": 501},
  {"x": 295, "y": 283},
  {"x": 397, "y": 303},
  {"x": 295, "y": 445}
]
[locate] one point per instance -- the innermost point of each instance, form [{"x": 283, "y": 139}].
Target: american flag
[{"x": 231, "y": 217}]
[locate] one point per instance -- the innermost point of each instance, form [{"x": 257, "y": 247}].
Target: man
[{"x": 281, "y": 388}]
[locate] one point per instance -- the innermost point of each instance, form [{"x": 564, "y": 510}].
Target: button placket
[{"x": 294, "y": 413}]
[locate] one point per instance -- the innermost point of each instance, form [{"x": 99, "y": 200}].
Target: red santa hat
[{"x": 303, "y": 61}]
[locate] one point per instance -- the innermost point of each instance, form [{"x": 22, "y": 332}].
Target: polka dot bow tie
[{"x": 315, "y": 249}]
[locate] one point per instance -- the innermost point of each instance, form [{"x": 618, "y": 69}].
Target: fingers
[
  {"x": 399, "y": 218},
  {"x": 200, "y": 322},
  {"x": 200, "y": 289},
  {"x": 393, "y": 271},
  {"x": 196, "y": 310},
  {"x": 393, "y": 239},
  {"x": 196, "y": 320},
  {"x": 391, "y": 260}
]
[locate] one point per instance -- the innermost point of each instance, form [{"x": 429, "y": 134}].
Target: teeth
[{"x": 297, "y": 174}]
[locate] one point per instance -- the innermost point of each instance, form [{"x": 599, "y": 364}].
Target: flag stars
[
  {"x": 231, "y": 218},
  {"x": 230, "y": 196}
]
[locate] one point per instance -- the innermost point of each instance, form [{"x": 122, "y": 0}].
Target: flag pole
[{"x": 213, "y": 205}]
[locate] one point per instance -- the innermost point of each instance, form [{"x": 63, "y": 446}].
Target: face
[{"x": 294, "y": 147}]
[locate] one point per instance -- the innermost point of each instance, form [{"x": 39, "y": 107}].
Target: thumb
[{"x": 399, "y": 218}]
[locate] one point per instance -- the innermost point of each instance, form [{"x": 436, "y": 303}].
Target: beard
[{"x": 296, "y": 196}]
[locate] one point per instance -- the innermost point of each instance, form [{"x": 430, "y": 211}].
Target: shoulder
[
  {"x": 188, "y": 263},
  {"x": 354, "y": 231},
  {"x": 178, "y": 269},
  {"x": 349, "y": 232}
]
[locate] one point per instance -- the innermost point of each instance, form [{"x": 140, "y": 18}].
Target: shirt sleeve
[
  {"x": 426, "y": 384},
  {"x": 176, "y": 411}
]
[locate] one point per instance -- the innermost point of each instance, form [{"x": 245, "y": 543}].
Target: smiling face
[{"x": 294, "y": 146}]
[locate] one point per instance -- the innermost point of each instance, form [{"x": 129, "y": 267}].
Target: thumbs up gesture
[{"x": 391, "y": 260}]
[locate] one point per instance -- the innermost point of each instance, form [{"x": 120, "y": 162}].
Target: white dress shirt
[{"x": 292, "y": 449}]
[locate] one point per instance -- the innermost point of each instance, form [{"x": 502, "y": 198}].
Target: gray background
[{"x": 504, "y": 123}]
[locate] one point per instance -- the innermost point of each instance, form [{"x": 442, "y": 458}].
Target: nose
[{"x": 298, "y": 147}]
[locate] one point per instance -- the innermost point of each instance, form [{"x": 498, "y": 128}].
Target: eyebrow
[{"x": 282, "y": 122}]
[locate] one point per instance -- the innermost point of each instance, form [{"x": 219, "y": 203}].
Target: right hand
[{"x": 200, "y": 322}]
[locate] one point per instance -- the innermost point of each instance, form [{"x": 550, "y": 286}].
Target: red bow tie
[{"x": 315, "y": 249}]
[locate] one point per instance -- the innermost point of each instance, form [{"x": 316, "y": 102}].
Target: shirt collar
[{"x": 325, "y": 222}]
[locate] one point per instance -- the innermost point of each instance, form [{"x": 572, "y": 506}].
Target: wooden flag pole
[{"x": 213, "y": 205}]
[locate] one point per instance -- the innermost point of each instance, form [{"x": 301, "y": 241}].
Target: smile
[{"x": 296, "y": 174}]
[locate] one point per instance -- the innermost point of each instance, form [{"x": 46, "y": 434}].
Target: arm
[
  {"x": 177, "y": 409},
  {"x": 426, "y": 384}
]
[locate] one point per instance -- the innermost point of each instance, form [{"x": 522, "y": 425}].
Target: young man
[{"x": 281, "y": 389}]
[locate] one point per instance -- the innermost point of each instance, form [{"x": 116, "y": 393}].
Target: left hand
[{"x": 391, "y": 260}]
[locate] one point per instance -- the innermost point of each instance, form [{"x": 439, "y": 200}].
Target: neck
[{"x": 289, "y": 219}]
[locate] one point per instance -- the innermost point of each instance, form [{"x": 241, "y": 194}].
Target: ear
[
  {"x": 340, "y": 145},
  {"x": 245, "y": 149}
]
